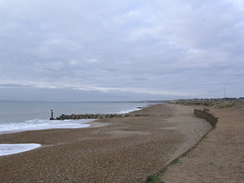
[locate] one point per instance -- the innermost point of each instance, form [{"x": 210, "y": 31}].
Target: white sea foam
[
  {"x": 129, "y": 110},
  {"x": 133, "y": 109},
  {"x": 39, "y": 124},
  {"x": 7, "y": 149}
]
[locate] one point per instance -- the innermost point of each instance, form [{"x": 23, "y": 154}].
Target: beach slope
[
  {"x": 219, "y": 157},
  {"x": 115, "y": 150}
]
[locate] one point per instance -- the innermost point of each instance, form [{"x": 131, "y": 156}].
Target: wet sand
[
  {"x": 218, "y": 158},
  {"x": 116, "y": 150}
]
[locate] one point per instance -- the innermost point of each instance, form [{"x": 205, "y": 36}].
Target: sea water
[{"x": 25, "y": 116}]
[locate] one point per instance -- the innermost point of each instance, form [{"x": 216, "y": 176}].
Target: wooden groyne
[{"x": 205, "y": 114}]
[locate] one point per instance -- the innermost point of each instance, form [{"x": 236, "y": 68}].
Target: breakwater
[
  {"x": 90, "y": 116},
  {"x": 97, "y": 116}
]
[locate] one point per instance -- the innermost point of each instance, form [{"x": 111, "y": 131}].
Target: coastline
[
  {"x": 112, "y": 150},
  {"x": 32, "y": 118}
]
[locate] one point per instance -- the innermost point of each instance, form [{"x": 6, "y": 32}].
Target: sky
[{"x": 93, "y": 50}]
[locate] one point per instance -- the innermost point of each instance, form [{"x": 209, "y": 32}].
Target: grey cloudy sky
[{"x": 121, "y": 49}]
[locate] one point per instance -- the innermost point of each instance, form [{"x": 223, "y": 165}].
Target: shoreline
[
  {"x": 68, "y": 123},
  {"x": 126, "y": 149}
]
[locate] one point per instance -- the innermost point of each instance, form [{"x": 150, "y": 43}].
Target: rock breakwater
[
  {"x": 96, "y": 116},
  {"x": 90, "y": 116}
]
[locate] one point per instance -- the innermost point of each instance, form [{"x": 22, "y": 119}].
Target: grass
[
  {"x": 154, "y": 179},
  {"x": 215, "y": 103},
  {"x": 225, "y": 104}
]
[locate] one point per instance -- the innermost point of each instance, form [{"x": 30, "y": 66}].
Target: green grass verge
[{"x": 154, "y": 179}]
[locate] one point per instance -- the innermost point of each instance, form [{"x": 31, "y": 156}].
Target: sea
[{"x": 24, "y": 116}]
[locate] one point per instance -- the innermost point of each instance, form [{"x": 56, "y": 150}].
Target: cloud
[
  {"x": 43, "y": 85},
  {"x": 150, "y": 47}
]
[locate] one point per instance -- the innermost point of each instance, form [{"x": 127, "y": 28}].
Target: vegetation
[
  {"x": 226, "y": 104},
  {"x": 154, "y": 179},
  {"x": 216, "y": 103}
]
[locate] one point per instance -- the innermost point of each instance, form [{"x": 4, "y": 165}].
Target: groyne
[
  {"x": 90, "y": 116},
  {"x": 205, "y": 114}
]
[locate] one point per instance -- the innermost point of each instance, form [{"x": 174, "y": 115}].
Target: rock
[{"x": 90, "y": 116}]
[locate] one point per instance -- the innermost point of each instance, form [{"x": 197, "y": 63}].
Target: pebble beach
[{"x": 116, "y": 150}]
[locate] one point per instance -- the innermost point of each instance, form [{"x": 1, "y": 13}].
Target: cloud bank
[{"x": 151, "y": 49}]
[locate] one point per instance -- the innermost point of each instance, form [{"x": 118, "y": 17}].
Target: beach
[
  {"x": 217, "y": 158},
  {"x": 112, "y": 150}
]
